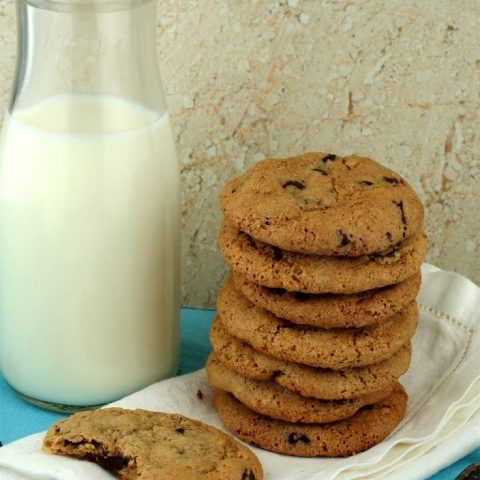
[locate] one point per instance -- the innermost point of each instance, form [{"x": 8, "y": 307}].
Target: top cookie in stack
[
  {"x": 323, "y": 205},
  {"x": 315, "y": 323}
]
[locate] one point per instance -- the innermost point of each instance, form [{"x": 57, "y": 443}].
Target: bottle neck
[{"x": 87, "y": 47}]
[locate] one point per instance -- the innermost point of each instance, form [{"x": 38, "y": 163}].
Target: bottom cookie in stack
[{"x": 369, "y": 426}]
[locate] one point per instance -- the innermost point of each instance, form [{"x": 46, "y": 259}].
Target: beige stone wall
[{"x": 246, "y": 79}]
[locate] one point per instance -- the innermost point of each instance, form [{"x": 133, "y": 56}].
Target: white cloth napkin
[{"x": 441, "y": 425}]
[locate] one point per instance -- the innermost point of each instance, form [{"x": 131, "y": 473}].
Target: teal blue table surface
[{"x": 18, "y": 418}]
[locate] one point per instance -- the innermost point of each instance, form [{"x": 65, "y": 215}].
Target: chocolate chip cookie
[
  {"x": 307, "y": 381},
  {"x": 330, "y": 310},
  {"x": 334, "y": 348},
  {"x": 139, "y": 444},
  {"x": 323, "y": 204},
  {"x": 271, "y": 267},
  {"x": 272, "y": 400},
  {"x": 366, "y": 428}
]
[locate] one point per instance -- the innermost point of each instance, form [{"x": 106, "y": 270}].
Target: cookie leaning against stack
[{"x": 315, "y": 321}]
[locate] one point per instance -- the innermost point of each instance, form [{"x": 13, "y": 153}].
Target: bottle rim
[{"x": 85, "y": 5}]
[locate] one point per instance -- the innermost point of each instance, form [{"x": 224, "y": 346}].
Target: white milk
[{"x": 89, "y": 249}]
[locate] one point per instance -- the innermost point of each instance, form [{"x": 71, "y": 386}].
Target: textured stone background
[{"x": 246, "y": 79}]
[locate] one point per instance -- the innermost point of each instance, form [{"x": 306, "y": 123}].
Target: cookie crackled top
[{"x": 323, "y": 204}]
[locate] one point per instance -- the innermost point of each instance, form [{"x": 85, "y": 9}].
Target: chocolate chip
[
  {"x": 279, "y": 291},
  {"x": 248, "y": 475},
  {"x": 294, "y": 183},
  {"x": 362, "y": 296},
  {"x": 180, "y": 430},
  {"x": 115, "y": 462},
  {"x": 321, "y": 170},
  {"x": 301, "y": 296},
  {"x": 199, "y": 394},
  {"x": 329, "y": 158},
  {"x": 472, "y": 472},
  {"x": 393, "y": 180},
  {"x": 380, "y": 256},
  {"x": 388, "y": 235},
  {"x": 365, "y": 183},
  {"x": 345, "y": 240},
  {"x": 276, "y": 374},
  {"x": 370, "y": 407},
  {"x": 277, "y": 254},
  {"x": 249, "y": 239},
  {"x": 388, "y": 253},
  {"x": 294, "y": 438},
  {"x": 399, "y": 204}
]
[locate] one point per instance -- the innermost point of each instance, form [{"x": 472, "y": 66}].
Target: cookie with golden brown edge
[
  {"x": 330, "y": 310},
  {"x": 335, "y": 348},
  {"x": 270, "y": 399},
  {"x": 368, "y": 427},
  {"x": 307, "y": 381},
  {"x": 139, "y": 444},
  {"x": 274, "y": 268},
  {"x": 323, "y": 204}
]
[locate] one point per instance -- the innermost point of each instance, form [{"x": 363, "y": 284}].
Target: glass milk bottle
[{"x": 89, "y": 207}]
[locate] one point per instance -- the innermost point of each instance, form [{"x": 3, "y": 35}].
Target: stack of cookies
[{"x": 314, "y": 322}]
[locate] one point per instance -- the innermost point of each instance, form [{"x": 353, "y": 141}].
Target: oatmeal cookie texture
[
  {"x": 315, "y": 321},
  {"x": 139, "y": 444}
]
